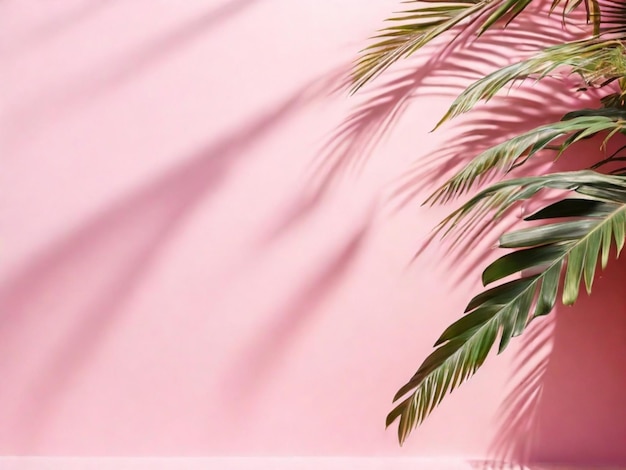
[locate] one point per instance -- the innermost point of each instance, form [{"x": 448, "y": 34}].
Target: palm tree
[{"x": 578, "y": 231}]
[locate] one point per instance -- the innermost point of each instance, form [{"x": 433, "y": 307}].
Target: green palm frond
[
  {"x": 411, "y": 30},
  {"x": 498, "y": 198},
  {"x": 519, "y": 149},
  {"x": 573, "y": 246},
  {"x": 562, "y": 253},
  {"x": 414, "y": 28},
  {"x": 598, "y": 60},
  {"x": 593, "y": 59}
]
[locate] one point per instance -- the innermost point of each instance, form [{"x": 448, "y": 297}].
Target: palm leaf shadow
[
  {"x": 525, "y": 401},
  {"x": 560, "y": 373},
  {"x": 129, "y": 235},
  {"x": 257, "y": 361},
  {"x": 518, "y": 411},
  {"x": 95, "y": 84},
  {"x": 501, "y": 118},
  {"x": 440, "y": 69},
  {"x": 62, "y": 23}
]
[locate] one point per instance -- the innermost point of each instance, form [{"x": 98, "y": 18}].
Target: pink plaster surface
[
  {"x": 205, "y": 244},
  {"x": 250, "y": 463}
]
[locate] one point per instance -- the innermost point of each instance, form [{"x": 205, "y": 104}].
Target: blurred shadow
[
  {"x": 62, "y": 23},
  {"x": 566, "y": 395},
  {"x": 257, "y": 361},
  {"x": 581, "y": 411},
  {"x": 95, "y": 84},
  {"x": 103, "y": 261},
  {"x": 501, "y": 118},
  {"x": 440, "y": 69},
  {"x": 518, "y": 411},
  {"x": 547, "y": 412}
]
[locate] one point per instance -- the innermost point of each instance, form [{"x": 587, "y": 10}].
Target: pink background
[{"x": 205, "y": 244}]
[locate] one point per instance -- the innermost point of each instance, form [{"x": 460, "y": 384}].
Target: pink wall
[{"x": 205, "y": 246}]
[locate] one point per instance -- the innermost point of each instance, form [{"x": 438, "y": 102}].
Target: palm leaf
[
  {"x": 411, "y": 30},
  {"x": 500, "y": 313},
  {"x": 599, "y": 58},
  {"x": 519, "y": 149},
  {"x": 414, "y": 28},
  {"x": 500, "y": 197},
  {"x": 591, "y": 58}
]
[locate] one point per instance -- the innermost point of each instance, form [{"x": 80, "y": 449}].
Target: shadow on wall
[
  {"x": 101, "y": 263},
  {"x": 529, "y": 107},
  {"x": 74, "y": 16},
  {"x": 500, "y": 119},
  {"x": 565, "y": 397},
  {"x": 565, "y": 405},
  {"x": 95, "y": 84},
  {"x": 62, "y": 22},
  {"x": 580, "y": 411},
  {"x": 260, "y": 357},
  {"x": 440, "y": 69}
]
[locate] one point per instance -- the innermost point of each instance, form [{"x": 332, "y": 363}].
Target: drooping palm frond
[
  {"x": 599, "y": 59},
  {"x": 411, "y": 30},
  {"x": 415, "y": 27},
  {"x": 593, "y": 225},
  {"x": 519, "y": 149},
  {"x": 593, "y": 59},
  {"x": 498, "y": 198},
  {"x": 596, "y": 218}
]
